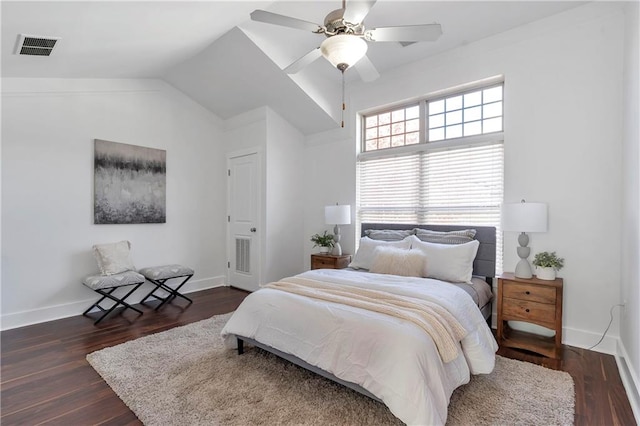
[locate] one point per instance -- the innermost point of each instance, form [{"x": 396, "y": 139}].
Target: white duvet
[{"x": 393, "y": 359}]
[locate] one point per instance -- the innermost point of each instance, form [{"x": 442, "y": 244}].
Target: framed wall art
[{"x": 130, "y": 183}]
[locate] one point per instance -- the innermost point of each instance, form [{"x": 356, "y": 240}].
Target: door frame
[{"x": 260, "y": 235}]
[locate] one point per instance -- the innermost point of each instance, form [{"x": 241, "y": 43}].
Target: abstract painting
[{"x": 130, "y": 183}]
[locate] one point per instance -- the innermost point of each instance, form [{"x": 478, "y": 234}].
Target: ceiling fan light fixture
[{"x": 343, "y": 50}]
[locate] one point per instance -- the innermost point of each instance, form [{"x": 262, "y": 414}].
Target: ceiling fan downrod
[{"x": 342, "y": 68}]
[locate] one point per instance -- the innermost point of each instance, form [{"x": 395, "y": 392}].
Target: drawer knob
[
  {"x": 526, "y": 310},
  {"x": 527, "y": 292}
]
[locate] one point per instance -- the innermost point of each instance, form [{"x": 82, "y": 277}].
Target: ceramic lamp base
[{"x": 523, "y": 269}]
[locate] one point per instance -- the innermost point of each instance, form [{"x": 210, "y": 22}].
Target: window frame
[
  {"x": 462, "y": 109},
  {"x": 421, "y": 124},
  {"x": 424, "y": 143}
]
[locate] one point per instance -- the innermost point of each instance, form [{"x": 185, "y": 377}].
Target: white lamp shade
[
  {"x": 337, "y": 215},
  {"x": 524, "y": 217},
  {"x": 343, "y": 49}
]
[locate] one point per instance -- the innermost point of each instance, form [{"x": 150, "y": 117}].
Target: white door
[{"x": 243, "y": 246}]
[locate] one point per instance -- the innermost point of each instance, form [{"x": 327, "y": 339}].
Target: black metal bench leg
[
  {"x": 97, "y": 304},
  {"x": 144, "y": 299},
  {"x": 240, "y": 346},
  {"x": 159, "y": 285},
  {"x": 172, "y": 292},
  {"x": 177, "y": 293},
  {"x": 117, "y": 302}
]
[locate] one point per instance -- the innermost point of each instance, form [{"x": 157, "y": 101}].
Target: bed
[
  {"x": 484, "y": 264},
  {"x": 401, "y": 357}
]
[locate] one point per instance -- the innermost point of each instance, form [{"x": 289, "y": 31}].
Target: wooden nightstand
[
  {"x": 534, "y": 301},
  {"x": 330, "y": 261}
]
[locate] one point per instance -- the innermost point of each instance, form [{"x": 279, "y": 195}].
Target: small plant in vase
[
  {"x": 324, "y": 241},
  {"x": 547, "y": 265}
]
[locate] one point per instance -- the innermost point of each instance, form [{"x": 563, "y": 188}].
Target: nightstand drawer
[
  {"x": 529, "y": 292},
  {"x": 516, "y": 309},
  {"x": 330, "y": 261},
  {"x": 322, "y": 262}
]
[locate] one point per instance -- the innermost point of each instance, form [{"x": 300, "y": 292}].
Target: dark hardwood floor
[{"x": 46, "y": 379}]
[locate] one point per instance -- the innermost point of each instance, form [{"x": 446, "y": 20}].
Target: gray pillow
[
  {"x": 451, "y": 237},
  {"x": 388, "y": 234}
]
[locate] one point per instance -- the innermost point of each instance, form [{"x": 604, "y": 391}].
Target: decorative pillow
[
  {"x": 448, "y": 262},
  {"x": 451, "y": 237},
  {"x": 397, "y": 261},
  {"x": 113, "y": 258},
  {"x": 388, "y": 234},
  {"x": 365, "y": 254}
]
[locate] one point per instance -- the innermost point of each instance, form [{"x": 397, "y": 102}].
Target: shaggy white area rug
[{"x": 185, "y": 376}]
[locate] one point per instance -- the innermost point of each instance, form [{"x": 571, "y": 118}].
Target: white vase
[
  {"x": 324, "y": 250},
  {"x": 548, "y": 274}
]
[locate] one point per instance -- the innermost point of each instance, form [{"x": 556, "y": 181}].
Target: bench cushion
[
  {"x": 165, "y": 272},
  {"x": 96, "y": 282}
]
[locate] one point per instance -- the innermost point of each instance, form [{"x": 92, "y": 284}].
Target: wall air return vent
[
  {"x": 35, "y": 45},
  {"x": 243, "y": 255}
]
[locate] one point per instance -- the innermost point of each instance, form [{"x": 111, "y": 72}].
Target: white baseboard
[
  {"x": 630, "y": 379},
  {"x": 51, "y": 313},
  {"x": 585, "y": 339}
]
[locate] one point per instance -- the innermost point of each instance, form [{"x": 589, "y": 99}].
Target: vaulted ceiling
[{"x": 214, "y": 53}]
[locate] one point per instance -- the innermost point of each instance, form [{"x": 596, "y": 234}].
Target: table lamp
[
  {"x": 337, "y": 215},
  {"x": 524, "y": 217}
]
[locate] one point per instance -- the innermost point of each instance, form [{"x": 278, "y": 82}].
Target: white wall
[
  {"x": 330, "y": 175},
  {"x": 629, "y": 350},
  {"x": 48, "y": 128},
  {"x": 284, "y": 199},
  {"x": 563, "y": 97}
]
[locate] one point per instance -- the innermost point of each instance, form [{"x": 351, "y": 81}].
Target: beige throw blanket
[{"x": 435, "y": 320}]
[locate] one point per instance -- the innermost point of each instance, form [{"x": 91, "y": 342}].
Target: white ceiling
[{"x": 189, "y": 44}]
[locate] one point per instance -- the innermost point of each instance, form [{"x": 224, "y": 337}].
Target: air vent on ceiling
[{"x": 35, "y": 45}]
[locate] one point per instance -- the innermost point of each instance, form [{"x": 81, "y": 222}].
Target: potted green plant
[
  {"x": 547, "y": 265},
  {"x": 324, "y": 241}
]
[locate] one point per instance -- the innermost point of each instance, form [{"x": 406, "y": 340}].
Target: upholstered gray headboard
[{"x": 485, "y": 263}]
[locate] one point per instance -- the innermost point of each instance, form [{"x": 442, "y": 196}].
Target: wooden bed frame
[{"x": 483, "y": 265}]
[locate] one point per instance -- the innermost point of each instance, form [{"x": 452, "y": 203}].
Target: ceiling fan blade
[
  {"x": 366, "y": 69},
  {"x": 427, "y": 32},
  {"x": 356, "y": 10},
  {"x": 285, "y": 21},
  {"x": 299, "y": 64}
]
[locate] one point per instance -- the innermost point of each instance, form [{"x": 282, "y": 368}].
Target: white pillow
[
  {"x": 398, "y": 261},
  {"x": 366, "y": 252},
  {"x": 113, "y": 258},
  {"x": 448, "y": 262}
]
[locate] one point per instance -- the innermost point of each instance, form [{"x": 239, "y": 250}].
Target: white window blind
[{"x": 456, "y": 186}]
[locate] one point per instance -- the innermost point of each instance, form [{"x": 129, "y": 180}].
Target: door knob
[{"x": 252, "y": 229}]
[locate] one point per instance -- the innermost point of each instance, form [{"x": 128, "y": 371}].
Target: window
[
  {"x": 474, "y": 113},
  {"x": 471, "y": 113},
  {"x": 389, "y": 129},
  {"x": 453, "y": 174}
]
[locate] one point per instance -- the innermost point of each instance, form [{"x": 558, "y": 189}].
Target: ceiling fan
[{"x": 347, "y": 37}]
